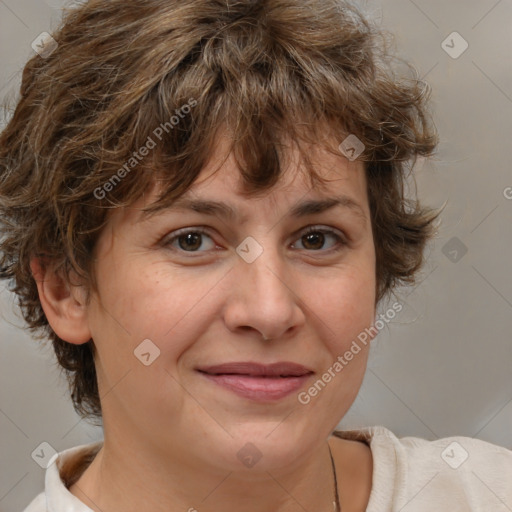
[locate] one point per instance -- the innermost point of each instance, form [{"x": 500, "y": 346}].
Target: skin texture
[{"x": 172, "y": 436}]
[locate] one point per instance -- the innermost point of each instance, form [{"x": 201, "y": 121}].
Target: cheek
[
  {"x": 143, "y": 301},
  {"x": 345, "y": 306},
  {"x": 138, "y": 303},
  {"x": 345, "y": 312}
]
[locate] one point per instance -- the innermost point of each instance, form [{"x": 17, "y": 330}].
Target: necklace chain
[{"x": 336, "y": 503}]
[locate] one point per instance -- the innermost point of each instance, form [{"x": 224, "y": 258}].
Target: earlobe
[{"x": 63, "y": 304}]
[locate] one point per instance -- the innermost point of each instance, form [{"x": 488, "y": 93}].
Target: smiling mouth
[
  {"x": 258, "y": 388},
  {"x": 257, "y": 382},
  {"x": 253, "y": 376},
  {"x": 252, "y": 369}
]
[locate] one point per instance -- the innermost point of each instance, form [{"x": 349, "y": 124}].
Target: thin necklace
[{"x": 336, "y": 503}]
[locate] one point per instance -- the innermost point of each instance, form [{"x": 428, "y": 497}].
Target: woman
[{"x": 203, "y": 205}]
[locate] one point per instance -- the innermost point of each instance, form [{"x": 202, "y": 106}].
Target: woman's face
[{"x": 202, "y": 284}]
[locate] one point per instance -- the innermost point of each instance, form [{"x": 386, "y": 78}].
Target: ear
[{"x": 63, "y": 304}]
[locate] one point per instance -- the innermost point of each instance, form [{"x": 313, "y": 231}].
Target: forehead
[{"x": 220, "y": 188}]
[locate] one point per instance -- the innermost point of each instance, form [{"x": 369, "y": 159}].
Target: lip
[
  {"x": 258, "y": 382},
  {"x": 282, "y": 368}
]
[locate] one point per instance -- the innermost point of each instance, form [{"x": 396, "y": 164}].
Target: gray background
[{"x": 443, "y": 366}]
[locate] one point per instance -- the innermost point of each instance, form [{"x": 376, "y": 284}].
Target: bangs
[{"x": 262, "y": 113}]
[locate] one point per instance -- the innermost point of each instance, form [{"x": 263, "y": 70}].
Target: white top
[{"x": 454, "y": 474}]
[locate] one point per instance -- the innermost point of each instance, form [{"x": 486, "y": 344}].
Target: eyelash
[{"x": 340, "y": 239}]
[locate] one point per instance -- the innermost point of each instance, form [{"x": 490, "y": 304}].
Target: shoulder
[
  {"x": 446, "y": 472},
  {"x": 60, "y": 474},
  {"x": 452, "y": 452},
  {"x": 471, "y": 471},
  {"x": 37, "y": 505}
]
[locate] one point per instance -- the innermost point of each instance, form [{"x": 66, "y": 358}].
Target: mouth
[
  {"x": 280, "y": 369},
  {"x": 258, "y": 382}
]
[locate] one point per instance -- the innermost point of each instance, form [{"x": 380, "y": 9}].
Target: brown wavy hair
[{"x": 268, "y": 70}]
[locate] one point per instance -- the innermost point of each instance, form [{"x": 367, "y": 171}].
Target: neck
[{"x": 125, "y": 476}]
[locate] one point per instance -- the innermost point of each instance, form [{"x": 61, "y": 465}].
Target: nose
[{"x": 263, "y": 298}]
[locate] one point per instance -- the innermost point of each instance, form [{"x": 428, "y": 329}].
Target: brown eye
[
  {"x": 320, "y": 239},
  {"x": 314, "y": 241},
  {"x": 190, "y": 240}
]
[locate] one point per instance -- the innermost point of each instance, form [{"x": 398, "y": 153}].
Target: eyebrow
[{"x": 300, "y": 209}]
